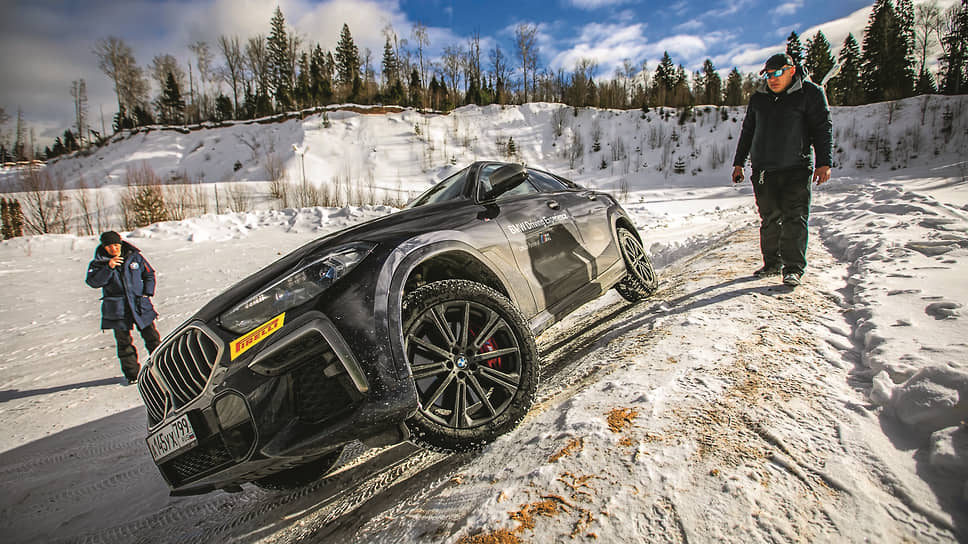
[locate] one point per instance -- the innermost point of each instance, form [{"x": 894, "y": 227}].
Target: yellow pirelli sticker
[{"x": 241, "y": 344}]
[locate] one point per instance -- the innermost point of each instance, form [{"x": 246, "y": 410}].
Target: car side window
[
  {"x": 484, "y": 184},
  {"x": 546, "y": 182},
  {"x": 448, "y": 189}
]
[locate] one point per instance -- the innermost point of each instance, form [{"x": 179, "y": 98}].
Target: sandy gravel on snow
[{"x": 762, "y": 439}]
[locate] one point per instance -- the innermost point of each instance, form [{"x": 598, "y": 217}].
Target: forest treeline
[{"x": 240, "y": 78}]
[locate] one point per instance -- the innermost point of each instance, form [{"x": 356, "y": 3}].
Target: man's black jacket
[{"x": 779, "y": 129}]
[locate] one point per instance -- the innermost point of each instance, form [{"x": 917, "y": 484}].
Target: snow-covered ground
[{"x": 722, "y": 408}]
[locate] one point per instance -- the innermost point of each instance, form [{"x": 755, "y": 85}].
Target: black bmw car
[{"x": 415, "y": 326}]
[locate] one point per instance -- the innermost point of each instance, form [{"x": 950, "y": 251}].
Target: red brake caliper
[{"x": 488, "y": 347}]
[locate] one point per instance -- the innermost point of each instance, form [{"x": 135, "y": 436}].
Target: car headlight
[{"x": 297, "y": 288}]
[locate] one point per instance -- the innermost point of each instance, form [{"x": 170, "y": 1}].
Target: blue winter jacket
[{"x": 125, "y": 288}]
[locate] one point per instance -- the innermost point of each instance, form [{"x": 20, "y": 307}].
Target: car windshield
[{"x": 447, "y": 189}]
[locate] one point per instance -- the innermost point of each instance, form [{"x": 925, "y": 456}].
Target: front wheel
[
  {"x": 640, "y": 281},
  {"x": 474, "y": 364}
]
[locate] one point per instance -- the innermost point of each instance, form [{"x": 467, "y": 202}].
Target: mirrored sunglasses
[{"x": 775, "y": 73}]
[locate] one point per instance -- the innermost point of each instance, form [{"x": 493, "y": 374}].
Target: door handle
[{"x": 553, "y": 204}]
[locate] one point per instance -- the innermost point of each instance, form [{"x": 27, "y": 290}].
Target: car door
[
  {"x": 543, "y": 238},
  {"x": 589, "y": 211}
]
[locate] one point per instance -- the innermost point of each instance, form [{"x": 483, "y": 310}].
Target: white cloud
[
  {"x": 596, "y": 4},
  {"x": 691, "y": 25},
  {"x": 784, "y": 31},
  {"x": 46, "y": 47},
  {"x": 788, "y": 8},
  {"x": 727, "y": 8},
  {"x": 607, "y": 45},
  {"x": 683, "y": 48}
]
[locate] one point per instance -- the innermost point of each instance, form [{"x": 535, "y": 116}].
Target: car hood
[{"x": 387, "y": 231}]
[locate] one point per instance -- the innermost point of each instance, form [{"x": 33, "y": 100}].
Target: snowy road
[{"x": 721, "y": 406}]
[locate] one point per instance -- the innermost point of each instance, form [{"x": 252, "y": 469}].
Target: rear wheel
[
  {"x": 302, "y": 475},
  {"x": 474, "y": 364},
  {"x": 640, "y": 281}
]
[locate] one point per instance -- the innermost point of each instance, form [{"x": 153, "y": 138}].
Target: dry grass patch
[
  {"x": 575, "y": 445},
  {"x": 501, "y": 536},
  {"x": 549, "y": 506},
  {"x": 620, "y": 419}
]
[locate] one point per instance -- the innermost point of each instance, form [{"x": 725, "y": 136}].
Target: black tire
[
  {"x": 640, "y": 281},
  {"x": 301, "y": 476},
  {"x": 474, "y": 364}
]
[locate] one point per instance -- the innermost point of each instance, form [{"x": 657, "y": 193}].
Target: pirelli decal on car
[{"x": 241, "y": 344}]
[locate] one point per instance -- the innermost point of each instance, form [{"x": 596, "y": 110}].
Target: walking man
[
  {"x": 127, "y": 281},
  {"x": 786, "y": 116}
]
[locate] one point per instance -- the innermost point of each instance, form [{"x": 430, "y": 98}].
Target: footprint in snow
[{"x": 943, "y": 310}]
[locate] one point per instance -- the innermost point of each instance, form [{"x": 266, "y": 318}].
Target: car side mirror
[{"x": 506, "y": 178}]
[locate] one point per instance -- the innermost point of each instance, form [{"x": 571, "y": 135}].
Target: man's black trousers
[
  {"x": 128, "y": 354},
  {"x": 783, "y": 200}
]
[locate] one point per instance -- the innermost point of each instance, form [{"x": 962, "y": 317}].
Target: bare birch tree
[
  {"x": 233, "y": 70},
  {"x": 419, "y": 35},
  {"x": 79, "y": 93},
  {"x": 116, "y": 60},
  {"x": 525, "y": 35}
]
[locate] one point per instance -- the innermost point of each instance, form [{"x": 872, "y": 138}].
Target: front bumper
[{"x": 302, "y": 394}]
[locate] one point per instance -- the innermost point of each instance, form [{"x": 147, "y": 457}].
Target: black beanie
[{"x": 110, "y": 237}]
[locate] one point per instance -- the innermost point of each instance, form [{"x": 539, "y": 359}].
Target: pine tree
[
  {"x": 925, "y": 84},
  {"x": 848, "y": 90},
  {"x": 223, "y": 108},
  {"x": 70, "y": 142},
  {"x": 7, "y": 230},
  {"x": 170, "y": 104},
  {"x": 389, "y": 67},
  {"x": 819, "y": 60},
  {"x": 303, "y": 94},
  {"x": 591, "y": 93},
  {"x": 142, "y": 117},
  {"x": 145, "y": 205},
  {"x": 888, "y": 56},
  {"x": 279, "y": 65},
  {"x": 58, "y": 148},
  {"x": 16, "y": 219},
  {"x": 321, "y": 76},
  {"x": 681, "y": 95},
  {"x": 954, "y": 72},
  {"x": 20, "y": 143},
  {"x": 734, "y": 88},
  {"x": 794, "y": 48},
  {"x": 712, "y": 84},
  {"x": 664, "y": 82},
  {"x": 414, "y": 98},
  {"x": 347, "y": 59}
]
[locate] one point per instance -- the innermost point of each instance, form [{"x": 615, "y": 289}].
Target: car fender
[{"x": 401, "y": 263}]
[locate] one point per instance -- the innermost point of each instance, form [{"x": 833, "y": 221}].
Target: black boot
[{"x": 767, "y": 271}]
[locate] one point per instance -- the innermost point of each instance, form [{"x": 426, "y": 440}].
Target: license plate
[{"x": 171, "y": 438}]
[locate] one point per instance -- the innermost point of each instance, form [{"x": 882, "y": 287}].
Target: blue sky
[{"x": 46, "y": 44}]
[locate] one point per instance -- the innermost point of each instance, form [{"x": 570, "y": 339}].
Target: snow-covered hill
[
  {"x": 723, "y": 408},
  {"x": 393, "y": 154}
]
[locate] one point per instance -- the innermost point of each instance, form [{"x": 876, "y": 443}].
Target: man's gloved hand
[{"x": 738, "y": 174}]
